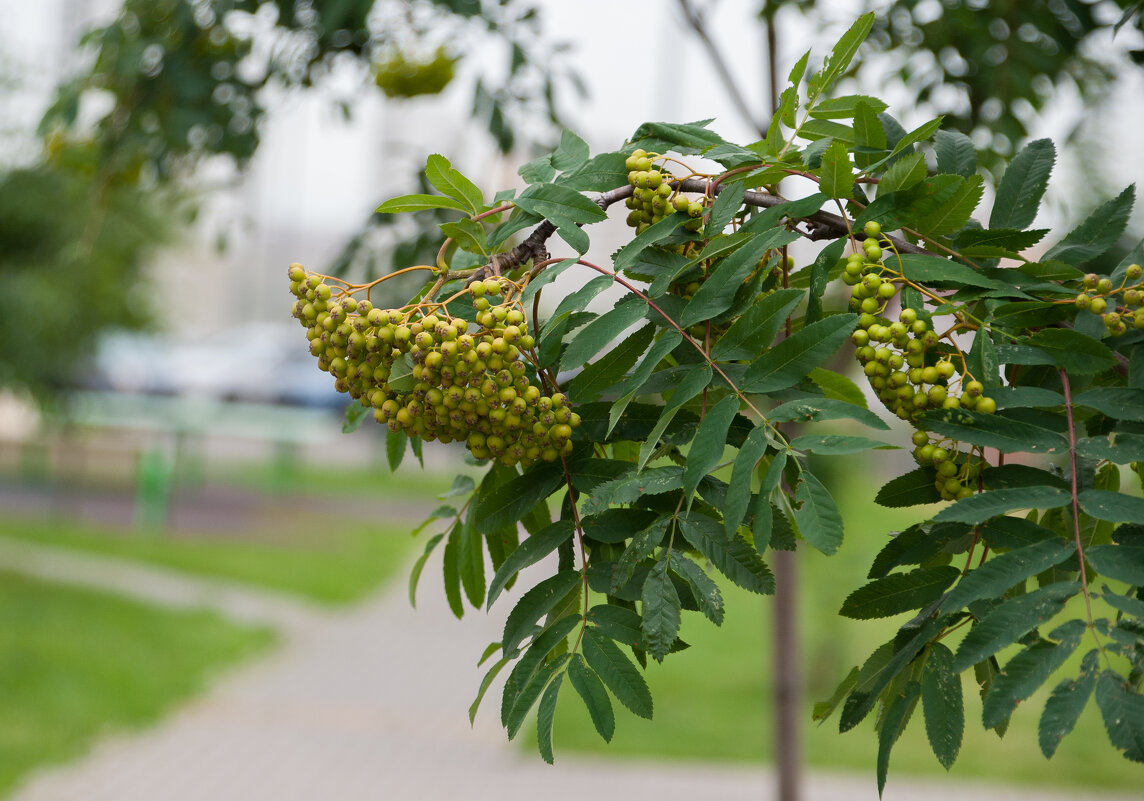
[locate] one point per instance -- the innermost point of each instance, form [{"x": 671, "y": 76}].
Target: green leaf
[
  {"x": 395, "y": 445},
  {"x": 956, "y": 154},
  {"x": 792, "y": 359},
  {"x": 1113, "y": 506},
  {"x": 710, "y": 442},
  {"x": 840, "y": 57},
  {"x": 1066, "y": 703},
  {"x": 993, "y": 431},
  {"x": 661, "y": 610},
  {"x": 707, "y": 595},
  {"x": 739, "y": 488},
  {"x": 911, "y": 489},
  {"x": 897, "y": 593},
  {"x": 595, "y": 696},
  {"x": 571, "y": 154},
  {"x": 1122, "y": 708},
  {"x": 486, "y": 682},
  {"x": 943, "y": 705},
  {"x": 846, "y": 106},
  {"x": 545, "y": 716},
  {"x": 692, "y": 383},
  {"x": 666, "y": 343},
  {"x": 469, "y": 234},
  {"x": 893, "y": 724},
  {"x": 757, "y": 327},
  {"x": 1023, "y": 185},
  {"x": 643, "y": 544},
  {"x": 627, "y": 256},
  {"x": 452, "y": 573},
  {"x": 529, "y": 552},
  {"x": 419, "y": 566},
  {"x": 984, "y": 505},
  {"x": 1078, "y": 353},
  {"x": 718, "y": 291},
  {"x": 903, "y": 174},
  {"x": 1119, "y": 562},
  {"x": 1027, "y": 671},
  {"x": 817, "y": 515},
  {"x": 1011, "y": 620},
  {"x": 836, "y": 444},
  {"x": 838, "y": 387},
  {"x": 406, "y": 203},
  {"x": 611, "y": 367},
  {"x": 618, "y": 623},
  {"x": 1097, "y": 234},
  {"x": 996, "y": 576},
  {"x": 836, "y": 175},
  {"x": 732, "y": 556},
  {"x": 533, "y": 605},
  {"x": 954, "y": 213},
  {"x": 689, "y": 138},
  {"x": 449, "y": 181},
  {"x": 595, "y": 335},
  {"x": 869, "y": 135},
  {"x": 824, "y": 709},
  {"x": 726, "y": 206},
  {"x": 809, "y": 410},
  {"x": 563, "y": 206},
  {"x": 509, "y": 502},
  {"x": 471, "y": 562},
  {"x": 919, "y": 134},
  {"x": 927, "y": 270},
  {"x": 526, "y": 697},
  {"x": 1116, "y": 447},
  {"x": 575, "y": 238},
  {"x": 1123, "y": 403},
  {"x": 617, "y": 672},
  {"x": 599, "y": 174},
  {"x": 630, "y": 488}
]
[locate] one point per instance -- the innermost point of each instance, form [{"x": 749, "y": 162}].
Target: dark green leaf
[
  {"x": 693, "y": 382},
  {"x": 529, "y": 552},
  {"x": 617, "y": 622},
  {"x": 545, "y": 716},
  {"x": 943, "y": 705},
  {"x": 1023, "y": 185},
  {"x": 1027, "y": 671},
  {"x": 836, "y": 444},
  {"x": 868, "y": 134},
  {"x": 627, "y": 489},
  {"x": 1078, "y": 353},
  {"x": 1021, "y": 475},
  {"x": 817, "y": 516},
  {"x": 927, "y": 270},
  {"x": 710, "y": 442},
  {"x": 911, "y": 489},
  {"x": 452, "y": 572},
  {"x": 1113, "y": 506},
  {"x": 706, "y": 592},
  {"x": 956, "y": 154},
  {"x": 732, "y": 556},
  {"x": 757, "y": 327},
  {"x": 571, "y": 154},
  {"x": 893, "y": 724},
  {"x": 1116, "y": 447},
  {"x": 1066, "y": 703},
  {"x": 471, "y": 562},
  {"x": 509, "y": 502},
  {"x": 627, "y": 256},
  {"x": 616, "y": 525},
  {"x": 718, "y": 291},
  {"x": 666, "y": 343},
  {"x": 611, "y": 367},
  {"x": 595, "y": 696},
  {"x": 643, "y": 544},
  {"x": 617, "y": 672},
  {"x": 899, "y": 592},
  {"x": 903, "y": 174},
  {"x": 739, "y": 489},
  {"x": 792, "y": 359},
  {"x": 419, "y": 565},
  {"x": 563, "y": 206},
  {"x": 1011, "y": 620},
  {"x": 599, "y": 174},
  {"x": 689, "y": 138},
  {"x": 993, "y": 431},
  {"x": 1122, "y": 708},
  {"x": 996, "y": 576},
  {"x": 449, "y": 181},
  {"x": 824, "y": 709},
  {"x": 836, "y": 175},
  {"x": 486, "y": 682},
  {"x": 726, "y": 206},
  {"x": 533, "y": 605},
  {"x": 526, "y": 697},
  {"x": 661, "y": 610},
  {"x": 1119, "y": 562},
  {"x": 395, "y": 445},
  {"x": 809, "y": 410},
  {"x": 984, "y": 505},
  {"x": 1098, "y": 233},
  {"x": 954, "y": 213},
  {"x": 1123, "y": 403}
]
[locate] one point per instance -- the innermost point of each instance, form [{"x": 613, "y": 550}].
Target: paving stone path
[{"x": 368, "y": 704}]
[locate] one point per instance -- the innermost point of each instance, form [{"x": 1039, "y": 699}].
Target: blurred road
[{"x": 369, "y": 703}]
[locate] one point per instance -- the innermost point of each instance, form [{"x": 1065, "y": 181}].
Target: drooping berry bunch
[
  {"x": 425, "y": 373},
  {"x": 1101, "y": 297},
  {"x": 654, "y": 196}
]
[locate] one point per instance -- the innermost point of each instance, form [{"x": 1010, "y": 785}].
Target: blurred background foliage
[{"x": 171, "y": 83}]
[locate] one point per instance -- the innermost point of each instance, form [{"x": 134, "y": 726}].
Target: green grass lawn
[
  {"x": 75, "y": 664},
  {"x": 330, "y": 565},
  {"x": 712, "y": 701}
]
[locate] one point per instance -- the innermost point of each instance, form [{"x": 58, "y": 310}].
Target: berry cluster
[
  {"x": 1118, "y": 318},
  {"x": 426, "y": 374},
  {"x": 957, "y": 472},
  {"x": 654, "y": 197}
]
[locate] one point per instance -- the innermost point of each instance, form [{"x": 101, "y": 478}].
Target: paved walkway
[{"x": 368, "y": 704}]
